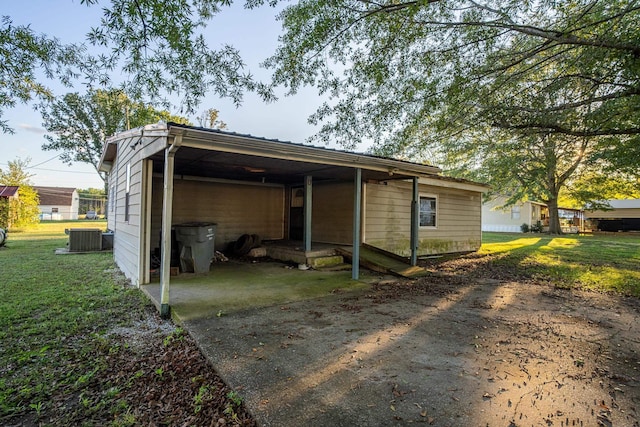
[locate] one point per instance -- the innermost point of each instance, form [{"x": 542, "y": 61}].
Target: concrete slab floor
[{"x": 235, "y": 285}]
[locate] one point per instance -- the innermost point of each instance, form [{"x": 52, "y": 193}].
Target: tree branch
[{"x": 546, "y": 127}]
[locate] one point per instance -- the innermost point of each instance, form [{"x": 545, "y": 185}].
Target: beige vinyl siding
[
  {"x": 237, "y": 209},
  {"x": 332, "y": 213},
  {"x": 501, "y": 220},
  {"x": 387, "y": 222}
]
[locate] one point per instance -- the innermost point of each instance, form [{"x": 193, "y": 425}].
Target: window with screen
[{"x": 428, "y": 211}]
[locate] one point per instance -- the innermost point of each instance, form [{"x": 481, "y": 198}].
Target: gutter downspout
[{"x": 167, "y": 216}]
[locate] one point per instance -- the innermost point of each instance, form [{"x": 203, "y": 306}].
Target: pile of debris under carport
[
  {"x": 249, "y": 248},
  {"x": 193, "y": 251},
  {"x": 248, "y": 245}
]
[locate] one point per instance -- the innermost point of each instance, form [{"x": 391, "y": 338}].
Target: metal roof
[
  {"x": 51, "y": 196},
  {"x": 624, "y": 203},
  {"x": 213, "y": 153},
  {"x": 277, "y": 141},
  {"x": 8, "y": 190}
]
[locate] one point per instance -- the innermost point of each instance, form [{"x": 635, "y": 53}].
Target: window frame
[
  {"x": 516, "y": 209},
  {"x": 435, "y": 213}
]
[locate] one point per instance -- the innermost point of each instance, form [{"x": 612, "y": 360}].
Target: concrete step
[
  {"x": 325, "y": 261},
  {"x": 337, "y": 267}
]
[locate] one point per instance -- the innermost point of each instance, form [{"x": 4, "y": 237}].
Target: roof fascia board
[{"x": 243, "y": 145}]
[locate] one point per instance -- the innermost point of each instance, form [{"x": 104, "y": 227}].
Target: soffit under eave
[
  {"x": 302, "y": 153},
  {"x": 108, "y": 156}
]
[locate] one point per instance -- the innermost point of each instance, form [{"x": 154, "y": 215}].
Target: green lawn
[
  {"x": 54, "y": 311},
  {"x": 598, "y": 262}
]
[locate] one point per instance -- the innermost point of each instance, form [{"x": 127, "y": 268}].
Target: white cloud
[{"x": 31, "y": 128}]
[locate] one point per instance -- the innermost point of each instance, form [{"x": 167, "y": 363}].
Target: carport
[
  {"x": 163, "y": 174},
  {"x": 197, "y": 153}
]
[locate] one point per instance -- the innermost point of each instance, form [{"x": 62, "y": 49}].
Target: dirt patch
[
  {"x": 465, "y": 346},
  {"x": 148, "y": 373}
]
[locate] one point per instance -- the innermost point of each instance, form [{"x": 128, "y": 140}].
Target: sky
[{"x": 253, "y": 32}]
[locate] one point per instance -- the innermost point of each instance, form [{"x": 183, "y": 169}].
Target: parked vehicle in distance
[{"x": 91, "y": 215}]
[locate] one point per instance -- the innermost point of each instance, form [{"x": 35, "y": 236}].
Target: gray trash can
[{"x": 196, "y": 244}]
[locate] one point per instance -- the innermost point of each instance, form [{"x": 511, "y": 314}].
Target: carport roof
[{"x": 220, "y": 154}]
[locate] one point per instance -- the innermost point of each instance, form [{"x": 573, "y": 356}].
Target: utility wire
[{"x": 42, "y": 163}]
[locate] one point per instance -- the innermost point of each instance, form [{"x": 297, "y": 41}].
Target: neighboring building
[
  {"x": 510, "y": 219},
  {"x": 8, "y": 193},
  {"x": 167, "y": 174},
  {"x": 58, "y": 203},
  {"x": 624, "y": 215}
]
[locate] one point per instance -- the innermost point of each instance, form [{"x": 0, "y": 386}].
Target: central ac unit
[{"x": 85, "y": 239}]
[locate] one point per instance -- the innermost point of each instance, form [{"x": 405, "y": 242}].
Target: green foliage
[
  {"x": 235, "y": 400},
  {"x": 25, "y": 208},
  {"x": 211, "y": 119},
  {"x": 156, "y": 48},
  {"x": 80, "y": 124},
  {"x": 22, "y": 211},
  {"x": 596, "y": 186},
  {"x": 525, "y": 95},
  {"x": 536, "y": 228},
  {"x": 176, "y": 335},
  {"x": 4, "y": 213},
  {"x": 23, "y": 53},
  {"x": 160, "y": 47},
  {"x": 399, "y": 70},
  {"x": 204, "y": 393},
  {"x": 524, "y": 227},
  {"x": 16, "y": 174},
  {"x": 92, "y": 199}
]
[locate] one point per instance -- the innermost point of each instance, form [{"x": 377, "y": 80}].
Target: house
[
  {"x": 624, "y": 215},
  {"x": 509, "y": 219},
  {"x": 498, "y": 218},
  {"x": 8, "y": 193},
  {"x": 169, "y": 174},
  {"x": 58, "y": 203}
]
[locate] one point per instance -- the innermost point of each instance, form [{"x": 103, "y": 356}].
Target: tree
[
  {"x": 593, "y": 187},
  {"x": 22, "y": 52},
  {"x": 92, "y": 199},
  {"x": 157, "y": 47},
  {"x": 80, "y": 124},
  {"x": 23, "y": 211},
  {"x": 474, "y": 78},
  {"x": 210, "y": 119}
]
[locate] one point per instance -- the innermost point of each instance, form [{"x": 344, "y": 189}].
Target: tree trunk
[{"x": 554, "y": 218}]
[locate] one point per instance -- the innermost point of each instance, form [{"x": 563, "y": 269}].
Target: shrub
[
  {"x": 524, "y": 227},
  {"x": 537, "y": 227}
]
